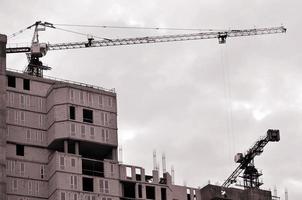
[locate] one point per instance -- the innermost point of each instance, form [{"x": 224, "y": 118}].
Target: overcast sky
[{"x": 197, "y": 101}]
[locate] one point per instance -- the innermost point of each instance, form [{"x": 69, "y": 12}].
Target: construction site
[{"x": 59, "y": 139}]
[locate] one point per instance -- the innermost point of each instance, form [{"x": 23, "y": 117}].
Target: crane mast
[
  {"x": 38, "y": 50},
  {"x": 246, "y": 162}
]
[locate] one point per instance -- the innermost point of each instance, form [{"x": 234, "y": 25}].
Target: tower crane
[
  {"x": 38, "y": 49},
  {"x": 246, "y": 162}
]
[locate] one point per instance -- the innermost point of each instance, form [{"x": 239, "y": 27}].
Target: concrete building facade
[{"x": 59, "y": 140}]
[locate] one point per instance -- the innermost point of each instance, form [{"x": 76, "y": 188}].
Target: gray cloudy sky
[{"x": 180, "y": 98}]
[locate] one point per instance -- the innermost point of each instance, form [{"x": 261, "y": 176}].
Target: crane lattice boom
[
  {"x": 221, "y": 35},
  {"x": 38, "y": 50},
  {"x": 247, "y": 159}
]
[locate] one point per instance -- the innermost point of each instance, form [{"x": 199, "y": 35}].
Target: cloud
[{"x": 198, "y": 102}]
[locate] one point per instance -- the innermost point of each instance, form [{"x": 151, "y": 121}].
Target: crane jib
[{"x": 221, "y": 35}]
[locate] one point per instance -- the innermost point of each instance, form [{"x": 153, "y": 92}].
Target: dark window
[
  {"x": 163, "y": 194},
  {"x": 129, "y": 190},
  {"x": 92, "y": 168},
  {"x": 71, "y": 147},
  {"x": 150, "y": 192},
  {"x": 20, "y": 150},
  {"x": 72, "y": 112},
  {"x": 88, "y": 184},
  {"x": 26, "y": 84},
  {"x": 140, "y": 191},
  {"x": 11, "y": 81},
  {"x": 87, "y": 116}
]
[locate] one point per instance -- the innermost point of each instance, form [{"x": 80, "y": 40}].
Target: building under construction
[{"x": 59, "y": 141}]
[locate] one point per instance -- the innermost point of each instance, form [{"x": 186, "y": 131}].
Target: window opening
[
  {"x": 62, "y": 195},
  {"x": 11, "y": 98},
  {"x": 28, "y": 101},
  {"x": 128, "y": 172},
  {"x": 22, "y": 117},
  {"x": 28, "y": 135},
  {"x": 11, "y": 81},
  {"x": 37, "y": 188},
  {"x": 110, "y": 102},
  {"x": 87, "y": 184},
  {"x": 92, "y": 132},
  {"x": 129, "y": 190},
  {"x": 106, "y": 186},
  {"x": 90, "y": 101},
  {"x": 72, "y": 114},
  {"x": 22, "y": 101},
  {"x": 62, "y": 162},
  {"x": 42, "y": 171},
  {"x": 20, "y": 150},
  {"x": 92, "y": 168},
  {"x": 163, "y": 193},
  {"x": 40, "y": 104},
  {"x": 140, "y": 191},
  {"x": 100, "y": 100},
  {"x": 81, "y": 97},
  {"x": 72, "y": 162},
  {"x": 188, "y": 194},
  {"x": 72, "y": 129},
  {"x": 82, "y": 130},
  {"x": 41, "y": 120},
  {"x": 71, "y": 95},
  {"x": 150, "y": 192},
  {"x": 30, "y": 187},
  {"x": 15, "y": 185},
  {"x": 22, "y": 169},
  {"x": 87, "y": 116},
  {"x": 73, "y": 182},
  {"x": 138, "y": 174},
  {"x": 112, "y": 169},
  {"x": 26, "y": 84},
  {"x": 71, "y": 147}
]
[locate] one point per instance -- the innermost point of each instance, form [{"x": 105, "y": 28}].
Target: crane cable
[
  {"x": 138, "y": 27},
  {"x": 228, "y": 100},
  {"x": 79, "y": 33},
  {"x": 17, "y": 33},
  {"x": 62, "y": 29}
]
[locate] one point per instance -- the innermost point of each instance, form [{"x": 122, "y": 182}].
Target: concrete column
[
  {"x": 157, "y": 193},
  {"x": 136, "y": 191},
  {"x": 155, "y": 176},
  {"x": 143, "y": 175},
  {"x": 65, "y": 146},
  {"x": 3, "y": 128},
  {"x": 168, "y": 178},
  {"x": 144, "y": 191},
  {"x": 114, "y": 154},
  {"x": 77, "y": 148}
]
